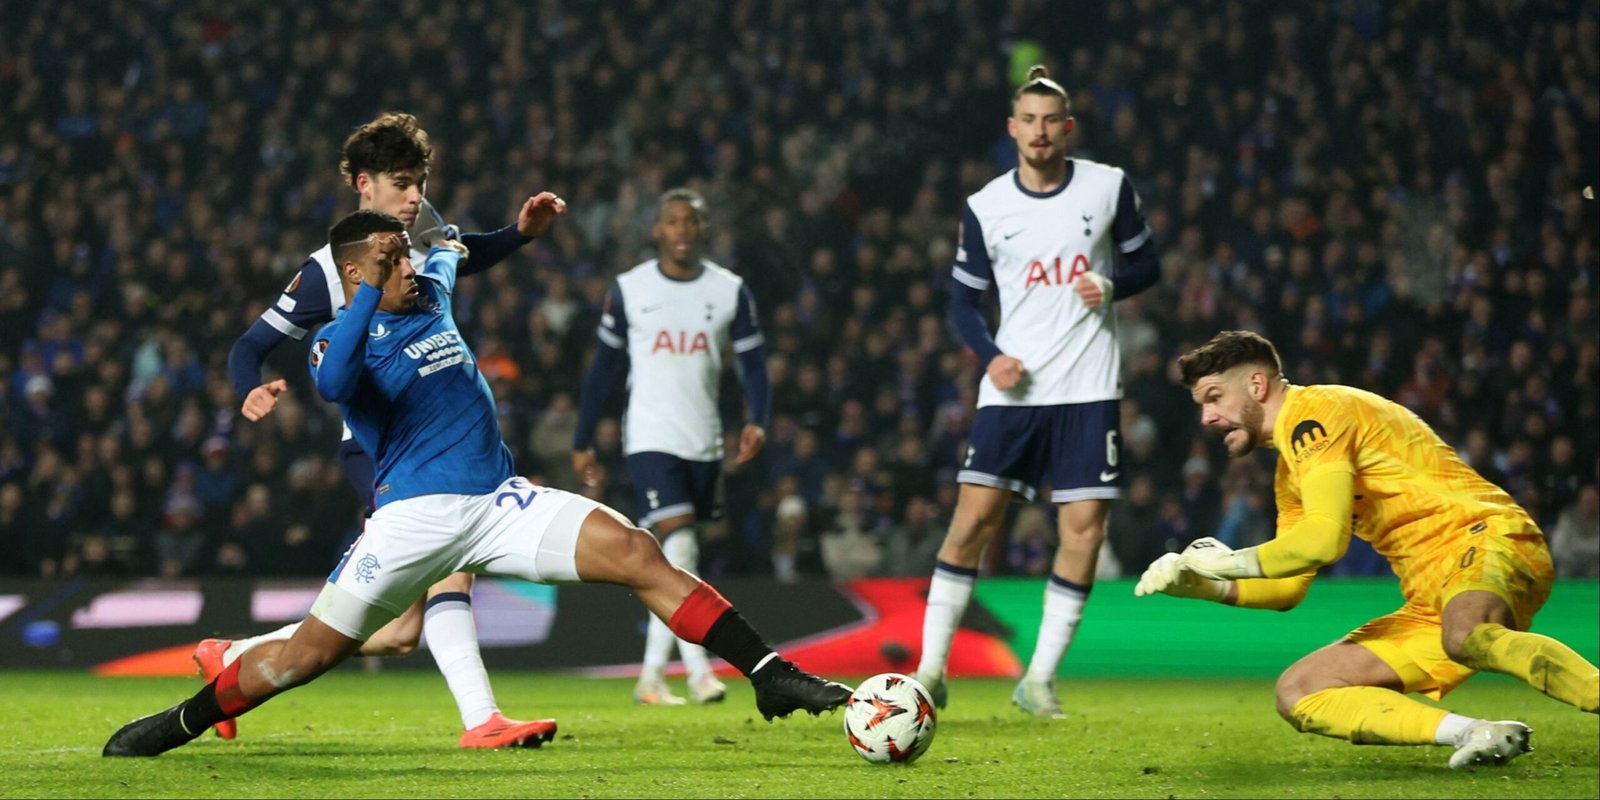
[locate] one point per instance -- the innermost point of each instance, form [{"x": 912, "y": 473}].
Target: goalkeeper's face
[{"x": 1229, "y": 406}]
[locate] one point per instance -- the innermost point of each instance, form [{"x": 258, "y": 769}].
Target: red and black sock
[
  {"x": 219, "y": 700},
  {"x": 706, "y": 619}
]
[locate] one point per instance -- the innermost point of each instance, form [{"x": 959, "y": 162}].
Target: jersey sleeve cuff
[
  {"x": 1137, "y": 241},
  {"x": 282, "y": 325},
  {"x": 610, "y": 339},
  {"x": 969, "y": 280}
]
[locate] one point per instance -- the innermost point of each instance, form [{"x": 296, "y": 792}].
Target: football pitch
[{"x": 393, "y": 734}]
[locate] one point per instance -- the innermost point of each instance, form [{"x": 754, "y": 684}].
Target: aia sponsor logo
[
  {"x": 681, "y": 343},
  {"x": 1054, "y": 273}
]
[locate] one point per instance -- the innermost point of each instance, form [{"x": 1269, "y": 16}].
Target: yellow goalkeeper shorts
[{"x": 1515, "y": 568}]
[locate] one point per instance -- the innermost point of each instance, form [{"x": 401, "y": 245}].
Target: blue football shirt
[{"x": 410, "y": 390}]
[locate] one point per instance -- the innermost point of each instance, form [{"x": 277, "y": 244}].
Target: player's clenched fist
[
  {"x": 1006, "y": 372},
  {"x": 587, "y": 467},
  {"x": 263, "y": 399},
  {"x": 751, "y": 440},
  {"x": 1093, "y": 289}
]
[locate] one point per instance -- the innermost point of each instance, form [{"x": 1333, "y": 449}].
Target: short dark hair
[
  {"x": 1225, "y": 351},
  {"x": 392, "y": 142},
  {"x": 687, "y": 195},
  {"x": 348, "y": 236},
  {"x": 1039, "y": 82}
]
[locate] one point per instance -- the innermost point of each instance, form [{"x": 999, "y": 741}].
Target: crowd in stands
[{"x": 1392, "y": 192}]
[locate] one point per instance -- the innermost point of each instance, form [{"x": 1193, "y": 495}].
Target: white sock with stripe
[
  {"x": 453, "y": 639},
  {"x": 1063, "y": 608},
  {"x": 948, "y": 595}
]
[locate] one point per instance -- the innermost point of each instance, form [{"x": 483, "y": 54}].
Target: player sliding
[
  {"x": 387, "y": 162},
  {"x": 1473, "y": 565},
  {"x": 449, "y": 500}
]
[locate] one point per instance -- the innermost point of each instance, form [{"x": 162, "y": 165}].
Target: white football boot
[
  {"x": 935, "y": 686},
  {"x": 706, "y": 688},
  {"x": 1490, "y": 743},
  {"x": 654, "y": 692},
  {"x": 1038, "y": 699}
]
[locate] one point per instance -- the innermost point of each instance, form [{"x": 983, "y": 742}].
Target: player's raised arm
[
  {"x": 371, "y": 251},
  {"x": 535, "y": 217}
]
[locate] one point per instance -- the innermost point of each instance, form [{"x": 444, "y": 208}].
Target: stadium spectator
[
  {"x": 1376, "y": 188},
  {"x": 1575, "y": 540}
]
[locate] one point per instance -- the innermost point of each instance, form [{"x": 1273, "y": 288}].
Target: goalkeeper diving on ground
[{"x": 1472, "y": 563}]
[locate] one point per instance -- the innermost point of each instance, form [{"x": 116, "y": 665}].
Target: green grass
[{"x": 393, "y": 735}]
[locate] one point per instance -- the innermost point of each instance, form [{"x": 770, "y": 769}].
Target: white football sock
[
  {"x": 1450, "y": 728},
  {"x": 452, "y": 637},
  {"x": 682, "y": 549},
  {"x": 240, "y": 646},
  {"x": 1063, "y": 608},
  {"x": 658, "y": 641},
  {"x": 948, "y": 596}
]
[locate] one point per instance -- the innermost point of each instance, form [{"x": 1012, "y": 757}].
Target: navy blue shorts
[
  {"x": 1074, "y": 449},
  {"x": 669, "y": 487}
]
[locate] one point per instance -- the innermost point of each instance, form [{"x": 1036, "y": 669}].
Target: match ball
[{"x": 890, "y": 719}]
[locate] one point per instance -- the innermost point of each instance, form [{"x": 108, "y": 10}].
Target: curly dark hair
[
  {"x": 1225, "y": 351},
  {"x": 390, "y": 143}
]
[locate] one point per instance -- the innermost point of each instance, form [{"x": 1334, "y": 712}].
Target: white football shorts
[{"x": 519, "y": 530}]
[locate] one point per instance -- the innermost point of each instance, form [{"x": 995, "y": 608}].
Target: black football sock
[{"x": 732, "y": 638}]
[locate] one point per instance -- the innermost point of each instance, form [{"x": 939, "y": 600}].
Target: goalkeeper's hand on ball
[{"x": 1166, "y": 576}]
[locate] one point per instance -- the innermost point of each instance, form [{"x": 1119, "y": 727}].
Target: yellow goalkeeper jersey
[{"x": 1415, "y": 500}]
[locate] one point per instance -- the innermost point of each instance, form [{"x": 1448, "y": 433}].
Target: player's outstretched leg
[
  {"x": 610, "y": 550},
  {"x": 208, "y": 663},
  {"x": 1346, "y": 692},
  {"x": 1478, "y": 633},
  {"x": 212, "y": 656},
  {"x": 251, "y": 680},
  {"x": 682, "y": 549}
]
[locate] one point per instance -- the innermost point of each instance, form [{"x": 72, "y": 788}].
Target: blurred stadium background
[{"x": 1391, "y": 191}]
